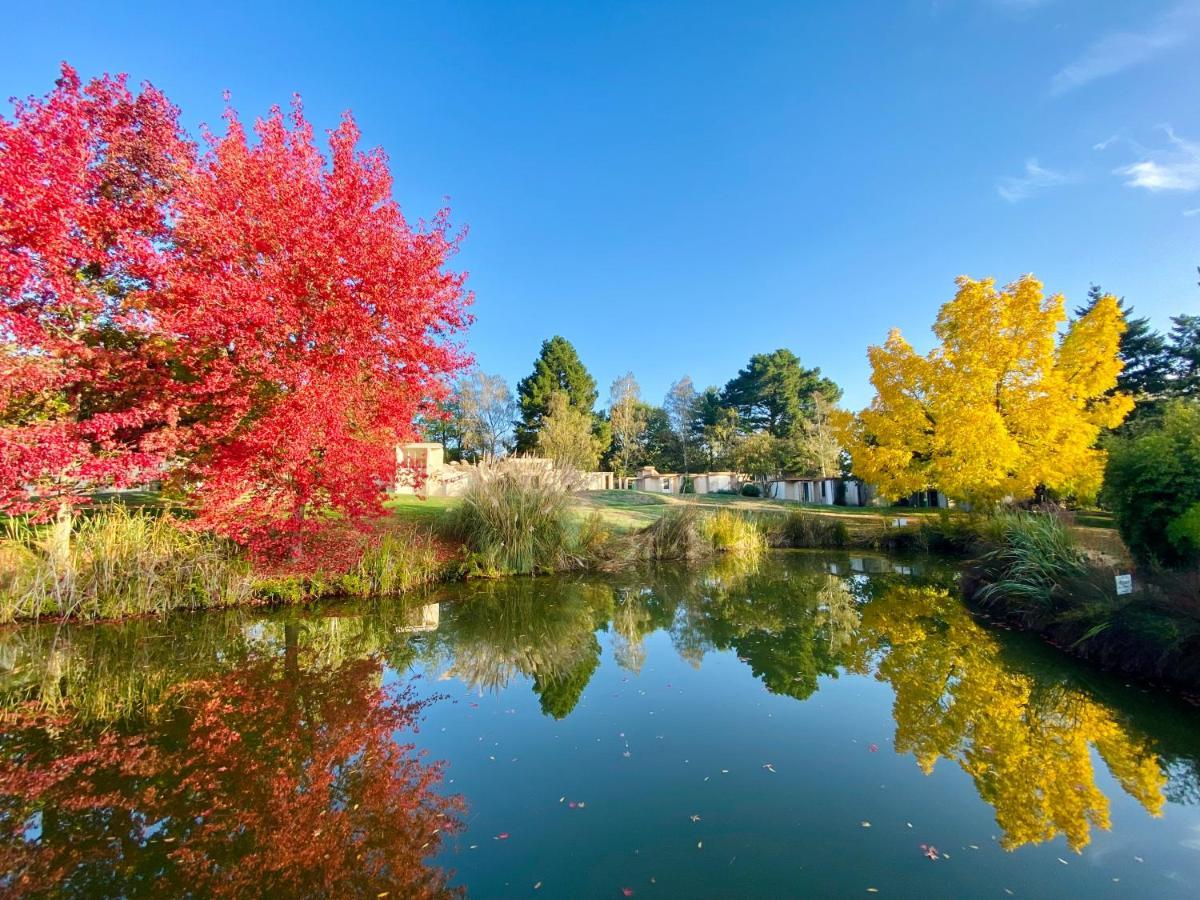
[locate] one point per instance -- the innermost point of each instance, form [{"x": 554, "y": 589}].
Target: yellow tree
[{"x": 1007, "y": 402}]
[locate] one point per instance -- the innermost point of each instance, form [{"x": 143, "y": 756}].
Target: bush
[
  {"x": 751, "y": 490},
  {"x": 1152, "y": 480},
  {"x": 515, "y": 520}
]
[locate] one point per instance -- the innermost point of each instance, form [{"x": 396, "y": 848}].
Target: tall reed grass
[
  {"x": 119, "y": 563},
  {"x": 1031, "y": 567},
  {"x": 515, "y": 520}
]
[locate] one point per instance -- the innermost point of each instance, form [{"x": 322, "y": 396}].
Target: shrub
[
  {"x": 1152, "y": 479},
  {"x": 514, "y": 520},
  {"x": 751, "y": 490}
]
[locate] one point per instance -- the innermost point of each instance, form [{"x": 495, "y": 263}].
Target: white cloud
[
  {"x": 1107, "y": 142},
  {"x": 1121, "y": 50},
  {"x": 1192, "y": 212},
  {"x": 1017, "y": 188},
  {"x": 1177, "y": 169}
]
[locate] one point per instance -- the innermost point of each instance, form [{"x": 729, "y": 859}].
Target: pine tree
[{"x": 557, "y": 368}]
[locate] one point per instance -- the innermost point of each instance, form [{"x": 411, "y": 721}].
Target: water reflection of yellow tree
[
  {"x": 282, "y": 777},
  {"x": 542, "y": 629},
  {"x": 1026, "y": 745}
]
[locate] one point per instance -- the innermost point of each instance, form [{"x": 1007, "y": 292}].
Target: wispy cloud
[
  {"x": 1106, "y": 143},
  {"x": 1036, "y": 178},
  {"x": 1121, "y": 50},
  {"x": 1175, "y": 169},
  {"x": 1192, "y": 212}
]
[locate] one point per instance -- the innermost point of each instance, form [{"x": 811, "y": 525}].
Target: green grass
[{"x": 430, "y": 512}]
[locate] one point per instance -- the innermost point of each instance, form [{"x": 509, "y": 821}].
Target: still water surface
[{"x": 822, "y": 725}]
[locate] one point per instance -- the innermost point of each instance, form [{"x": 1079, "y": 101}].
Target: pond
[{"x": 815, "y": 725}]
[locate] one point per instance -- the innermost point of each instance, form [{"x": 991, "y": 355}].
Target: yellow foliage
[
  {"x": 1002, "y": 405},
  {"x": 1026, "y": 746}
]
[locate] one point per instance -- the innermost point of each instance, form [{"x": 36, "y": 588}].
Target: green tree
[
  {"x": 484, "y": 414},
  {"x": 1183, "y": 356},
  {"x": 660, "y": 443},
  {"x": 775, "y": 392},
  {"x": 557, "y": 368},
  {"x": 760, "y": 455},
  {"x": 566, "y": 436},
  {"x": 1152, "y": 480},
  {"x": 627, "y": 418},
  {"x": 680, "y": 406}
]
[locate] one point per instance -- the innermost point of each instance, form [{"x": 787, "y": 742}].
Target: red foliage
[
  {"x": 271, "y": 781},
  {"x": 260, "y": 323},
  {"x": 85, "y": 179}
]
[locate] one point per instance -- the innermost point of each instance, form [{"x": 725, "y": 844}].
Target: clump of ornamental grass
[
  {"x": 515, "y": 520},
  {"x": 1028, "y": 570},
  {"x": 729, "y": 532},
  {"x": 118, "y": 562},
  {"x": 810, "y": 531}
]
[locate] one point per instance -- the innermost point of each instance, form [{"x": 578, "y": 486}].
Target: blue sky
[{"x": 675, "y": 186}]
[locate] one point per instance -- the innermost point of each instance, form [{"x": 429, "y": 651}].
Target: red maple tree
[
  {"x": 314, "y": 320},
  {"x": 255, "y": 321},
  {"x": 86, "y": 177}
]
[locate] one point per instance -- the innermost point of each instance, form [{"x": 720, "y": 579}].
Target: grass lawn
[{"x": 426, "y": 512}]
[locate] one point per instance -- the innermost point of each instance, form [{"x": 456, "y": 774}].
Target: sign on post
[{"x": 1124, "y": 584}]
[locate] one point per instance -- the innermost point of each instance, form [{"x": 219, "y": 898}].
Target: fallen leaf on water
[
  {"x": 931, "y": 852},
  {"x": 502, "y": 836},
  {"x": 1138, "y": 859},
  {"x": 628, "y": 892},
  {"x": 694, "y": 817},
  {"x": 866, "y": 824},
  {"x": 537, "y": 885},
  {"x": 768, "y": 767},
  {"x": 874, "y": 748},
  {"x": 872, "y": 890},
  {"x": 1063, "y": 861},
  {"x": 724, "y": 771},
  {"x": 699, "y": 845}
]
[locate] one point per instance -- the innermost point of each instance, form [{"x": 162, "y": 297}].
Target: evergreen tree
[
  {"x": 1143, "y": 351},
  {"x": 1183, "y": 356},
  {"x": 774, "y": 393},
  {"x": 557, "y": 368}
]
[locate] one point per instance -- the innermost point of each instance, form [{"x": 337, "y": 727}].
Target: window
[{"x": 666, "y": 485}]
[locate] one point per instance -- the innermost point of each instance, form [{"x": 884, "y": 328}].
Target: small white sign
[
  {"x": 1124, "y": 584},
  {"x": 899, "y": 523}
]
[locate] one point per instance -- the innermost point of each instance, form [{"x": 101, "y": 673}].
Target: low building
[
  {"x": 821, "y": 490},
  {"x": 650, "y": 479}
]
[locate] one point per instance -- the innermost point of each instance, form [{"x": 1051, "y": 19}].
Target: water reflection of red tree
[{"x": 271, "y": 780}]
